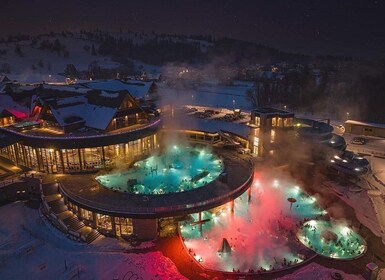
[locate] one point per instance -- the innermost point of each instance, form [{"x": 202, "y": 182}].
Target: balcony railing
[{"x": 154, "y": 211}]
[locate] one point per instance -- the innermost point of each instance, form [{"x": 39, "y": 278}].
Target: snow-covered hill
[{"x": 37, "y": 65}]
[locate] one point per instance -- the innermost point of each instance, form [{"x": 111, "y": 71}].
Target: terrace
[
  {"x": 88, "y": 193},
  {"x": 82, "y": 137}
]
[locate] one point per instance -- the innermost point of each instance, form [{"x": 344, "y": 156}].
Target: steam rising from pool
[
  {"x": 178, "y": 168},
  {"x": 262, "y": 230}
]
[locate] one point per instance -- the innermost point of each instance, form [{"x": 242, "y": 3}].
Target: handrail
[
  {"x": 156, "y": 122},
  {"x": 152, "y": 210}
]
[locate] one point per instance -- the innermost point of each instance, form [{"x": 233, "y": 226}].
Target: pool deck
[{"x": 85, "y": 191}]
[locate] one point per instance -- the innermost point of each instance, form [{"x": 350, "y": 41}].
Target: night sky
[{"x": 348, "y": 27}]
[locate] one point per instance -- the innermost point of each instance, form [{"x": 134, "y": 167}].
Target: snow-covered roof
[
  {"x": 138, "y": 89},
  {"x": 191, "y": 123},
  {"x": 13, "y": 107},
  {"x": 69, "y": 88},
  {"x": 78, "y": 108},
  {"x": 379, "y": 125}
]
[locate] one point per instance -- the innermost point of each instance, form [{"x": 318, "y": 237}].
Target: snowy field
[
  {"x": 317, "y": 272},
  {"x": 32, "y": 249},
  {"x": 36, "y": 65}
]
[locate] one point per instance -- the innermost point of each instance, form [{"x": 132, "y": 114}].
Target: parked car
[{"x": 358, "y": 141}]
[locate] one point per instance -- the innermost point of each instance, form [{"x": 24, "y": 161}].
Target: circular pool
[
  {"x": 177, "y": 169},
  {"x": 332, "y": 240}
]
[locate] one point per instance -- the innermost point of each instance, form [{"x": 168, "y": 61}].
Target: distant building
[
  {"x": 365, "y": 128},
  {"x": 267, "y": 125}
]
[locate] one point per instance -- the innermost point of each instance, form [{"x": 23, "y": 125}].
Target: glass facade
[
  {"x": 103, "y": 222},
  {"x": 86, "y": 215},
  {"x": 4, "y": 121},
  {"x": 281, "y": 122},
  {"x": 167, "y": 226},
  {"x": 78, "y": 160},
  {"x": 123, "y": 226}
]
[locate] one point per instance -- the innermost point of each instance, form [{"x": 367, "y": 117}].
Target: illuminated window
[
  {"x": 257, "y": 121},
  {"x": 279, "y": 124},
  {"x": 274, "y": 122},
  {"x": 288, "y": 122},
  {"x": 123, "y": 225},
  {"x": 104, "y": 221},
  {"x": 272, "y": 136},
  {"x": 85, "y": 214}
]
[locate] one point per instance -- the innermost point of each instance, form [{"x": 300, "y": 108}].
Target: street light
[
  {"x": 233, "y": 103},
  {"x": 347, "y": 115}
]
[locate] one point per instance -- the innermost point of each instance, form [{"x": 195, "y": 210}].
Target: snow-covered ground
[
  {"x": 48, "y": 64},
  {"x": 368, "y": 204},
  {"x": 375, "y": 145},
  {"x": 318, "y": 272},
  {"x": 32, "y": 249},
  {"x": 36, "y": 65}
]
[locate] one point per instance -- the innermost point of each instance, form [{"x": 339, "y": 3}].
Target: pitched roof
[
  {"x": 78, "y": 108},
  {"x": 379, "y": 125},
  {"x": 138, "y": 89},
  {"x": 17, "y": 109},
  {"x": 4, "y": 78}
]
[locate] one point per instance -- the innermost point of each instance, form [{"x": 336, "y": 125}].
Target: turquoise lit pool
[
  {"x": 177, "y": 169},
  {"x": 335, "y": 241}
]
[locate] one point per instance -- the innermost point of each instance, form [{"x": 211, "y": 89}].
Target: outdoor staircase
[
  {"x": 56, "y": 210},
  {"x": 92, "y": 236},
  {"x": 73, "y": 223},
  {"x": 57, "y": 206}
]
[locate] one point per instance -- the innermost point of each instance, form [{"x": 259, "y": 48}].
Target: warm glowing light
[
  {"x": 312, "y": 223},
  {"x": 345, "y": 231}
]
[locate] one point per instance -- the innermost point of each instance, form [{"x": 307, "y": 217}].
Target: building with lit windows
[
  {"x": 267, "y": 127},
  {"x": 102, "y": 137},
  {"x": 82, "y": 131},
  {"x": 78, "y": 130}
]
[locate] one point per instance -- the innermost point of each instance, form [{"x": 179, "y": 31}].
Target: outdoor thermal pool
[{"x": 177, "y": 169}]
